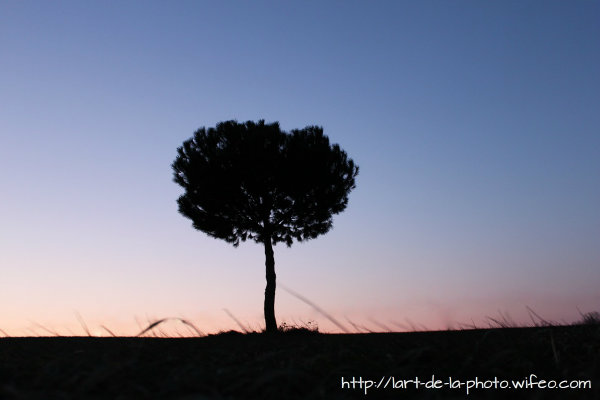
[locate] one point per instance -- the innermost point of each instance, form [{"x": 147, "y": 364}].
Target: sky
[{"x": 476, "y": 127}]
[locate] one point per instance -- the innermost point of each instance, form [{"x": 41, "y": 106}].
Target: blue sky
[{"x": 475, "y": 125}]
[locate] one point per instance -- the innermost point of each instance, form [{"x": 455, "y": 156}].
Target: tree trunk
[{"x": 271, "y": 324}]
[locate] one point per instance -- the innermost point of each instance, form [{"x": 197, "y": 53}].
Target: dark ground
[{"x": 301, "y": 365}]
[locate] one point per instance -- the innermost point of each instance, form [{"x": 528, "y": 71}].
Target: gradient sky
[{"x": 476, "y": 126}]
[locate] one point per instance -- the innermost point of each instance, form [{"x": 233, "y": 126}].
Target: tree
[{"x": 254, "y": 181}]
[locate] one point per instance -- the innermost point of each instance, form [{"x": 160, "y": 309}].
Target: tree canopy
[{"x": 254, "y": 181}]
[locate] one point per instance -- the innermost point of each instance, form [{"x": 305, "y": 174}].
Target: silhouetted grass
[
  {"x": 155, "y": 324},
  {"x": 300, "y": 363}
]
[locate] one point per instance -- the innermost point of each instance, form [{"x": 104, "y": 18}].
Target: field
[{"x": 302, "y": 365}]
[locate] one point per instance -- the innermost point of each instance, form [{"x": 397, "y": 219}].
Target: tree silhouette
[{"x": 254, "y": 181}]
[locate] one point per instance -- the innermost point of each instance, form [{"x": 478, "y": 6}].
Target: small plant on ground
[{"x": 309, "y": 327}]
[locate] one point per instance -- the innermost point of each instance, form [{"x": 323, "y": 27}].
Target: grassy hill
[{"x": 302, "y": 365}]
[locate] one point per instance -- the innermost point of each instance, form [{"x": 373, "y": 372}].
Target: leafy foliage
[{"x": 254, "y": 181}]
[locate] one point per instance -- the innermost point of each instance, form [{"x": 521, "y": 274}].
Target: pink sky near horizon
[
  {"x": 418, "y": 301},
  {"x": 418, "y": 317}
]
